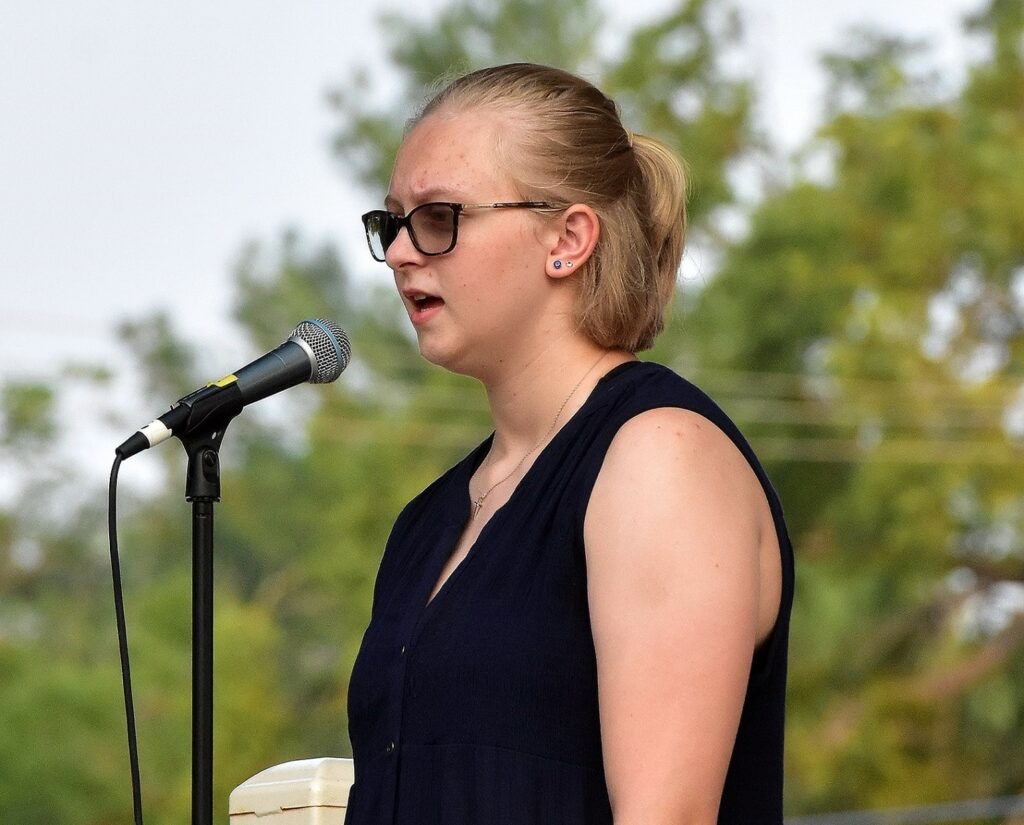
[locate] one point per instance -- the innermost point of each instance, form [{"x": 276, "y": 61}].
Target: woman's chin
[
  {"x": 437, "y": 353},
  {"x": 448, "y": 357}
]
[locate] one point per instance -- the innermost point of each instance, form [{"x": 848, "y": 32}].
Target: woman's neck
[{"x": 530, "y": 402}]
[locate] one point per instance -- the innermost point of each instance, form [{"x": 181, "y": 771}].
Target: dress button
[{"x": 389, "y": 747}]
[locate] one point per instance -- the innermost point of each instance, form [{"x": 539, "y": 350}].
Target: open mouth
[{"x": 422, "y": 301}]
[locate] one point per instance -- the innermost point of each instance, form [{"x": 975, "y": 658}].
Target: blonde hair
[{"x": 566, "y": 144}]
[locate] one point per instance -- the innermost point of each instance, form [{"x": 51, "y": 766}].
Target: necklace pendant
[{"x": 478, "y": 504}]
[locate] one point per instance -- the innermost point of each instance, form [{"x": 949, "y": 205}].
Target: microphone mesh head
[{"x": 330, "y": 345}]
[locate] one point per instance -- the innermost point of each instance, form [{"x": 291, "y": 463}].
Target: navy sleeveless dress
[{"x": 480, "y": 707}]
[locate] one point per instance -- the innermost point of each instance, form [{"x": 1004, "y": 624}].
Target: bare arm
[{"x": 675, "y": 538}]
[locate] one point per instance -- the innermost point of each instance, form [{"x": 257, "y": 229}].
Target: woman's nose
[{"x": 401, "y": 249}]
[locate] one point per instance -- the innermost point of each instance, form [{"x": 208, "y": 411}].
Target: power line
[
  {"x": 956, "y": 422},
  {"x": 902, "y": 451},
  {"x": 429, "y": 433},
  {"x": 797, "y": 383},
  {"x": 57, "y": 324}
]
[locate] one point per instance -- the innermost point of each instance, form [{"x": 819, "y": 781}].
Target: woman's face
[{"x": 475, "y": 307}]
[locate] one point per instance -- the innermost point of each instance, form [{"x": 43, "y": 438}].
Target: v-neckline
[{"x": 458, "y": 525}]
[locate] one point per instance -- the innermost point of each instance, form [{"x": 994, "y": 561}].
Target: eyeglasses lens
[
  {"x": 381, "y": 229},
  {"x": 431, "y": 227}
]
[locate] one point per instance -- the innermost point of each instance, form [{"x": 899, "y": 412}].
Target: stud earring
[
  {"x": 569, "y": 264},
  {"x": 557, "y": 264}
]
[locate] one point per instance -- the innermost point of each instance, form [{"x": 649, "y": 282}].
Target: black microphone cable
[{"x": 122, "y": 642}]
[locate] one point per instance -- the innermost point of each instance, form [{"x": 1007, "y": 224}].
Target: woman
[{"x": 585, "y": 621}]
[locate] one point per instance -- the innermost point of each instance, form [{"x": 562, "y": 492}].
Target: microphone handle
[
  {"x": 290, "y": 364},
  {"x": 281, "y": 368}
]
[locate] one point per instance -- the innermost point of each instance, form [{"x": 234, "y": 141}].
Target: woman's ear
[{"x": 579, "y": 228}]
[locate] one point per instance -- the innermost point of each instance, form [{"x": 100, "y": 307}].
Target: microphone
[{"x": 317, "y": 351}]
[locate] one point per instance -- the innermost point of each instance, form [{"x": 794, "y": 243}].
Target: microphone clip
[{"x": 208, "y": 411}]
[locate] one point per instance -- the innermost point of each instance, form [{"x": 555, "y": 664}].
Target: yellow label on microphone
[{"x": 223, "y": 382}]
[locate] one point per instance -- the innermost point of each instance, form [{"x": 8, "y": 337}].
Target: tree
[
  {"x": 877, "y": 319},
  {"x": 865, "y": 331}
]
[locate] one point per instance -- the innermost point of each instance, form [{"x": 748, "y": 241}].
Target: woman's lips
[{"x": 423, "y": 306}]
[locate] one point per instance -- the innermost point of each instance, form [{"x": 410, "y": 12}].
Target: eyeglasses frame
[{"x": 457, "y": 209}]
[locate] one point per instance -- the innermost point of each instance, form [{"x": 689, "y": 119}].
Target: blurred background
[{"x": 179, "y": 185}]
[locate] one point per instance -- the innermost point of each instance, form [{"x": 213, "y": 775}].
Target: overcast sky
[{"x": 142, "y": 143}]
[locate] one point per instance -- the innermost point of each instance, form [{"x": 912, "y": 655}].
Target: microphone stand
[{"x": 202, "y": 489}]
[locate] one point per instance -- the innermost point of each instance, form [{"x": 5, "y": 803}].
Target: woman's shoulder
[
  {"x": 672, "y": 464},
  {"x": 641, "y": 387},
  {"x": 651, "y": 416},
  {"x": 659, "y": 419}
]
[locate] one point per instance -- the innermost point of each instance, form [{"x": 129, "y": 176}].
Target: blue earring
[{"x": 557, "y": 264}]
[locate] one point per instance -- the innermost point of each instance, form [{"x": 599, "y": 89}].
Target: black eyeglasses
[{"x": 433, "y": 227}]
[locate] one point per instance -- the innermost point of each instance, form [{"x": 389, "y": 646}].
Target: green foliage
[
  {"x": 27, "y": 413},
  {"x": 886, "y": 291},
  {"x": 866, "y": 332},
  {"x": 58, "y": 755},
  {"x": 875, "y": 74},
  {"x": 169, "y": 361},
  {"x": 671, "y": 83},
  {"x": 273, "y": 292}
]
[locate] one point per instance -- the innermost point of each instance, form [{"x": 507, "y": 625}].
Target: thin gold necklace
[{"x": 478, "y": 502}]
